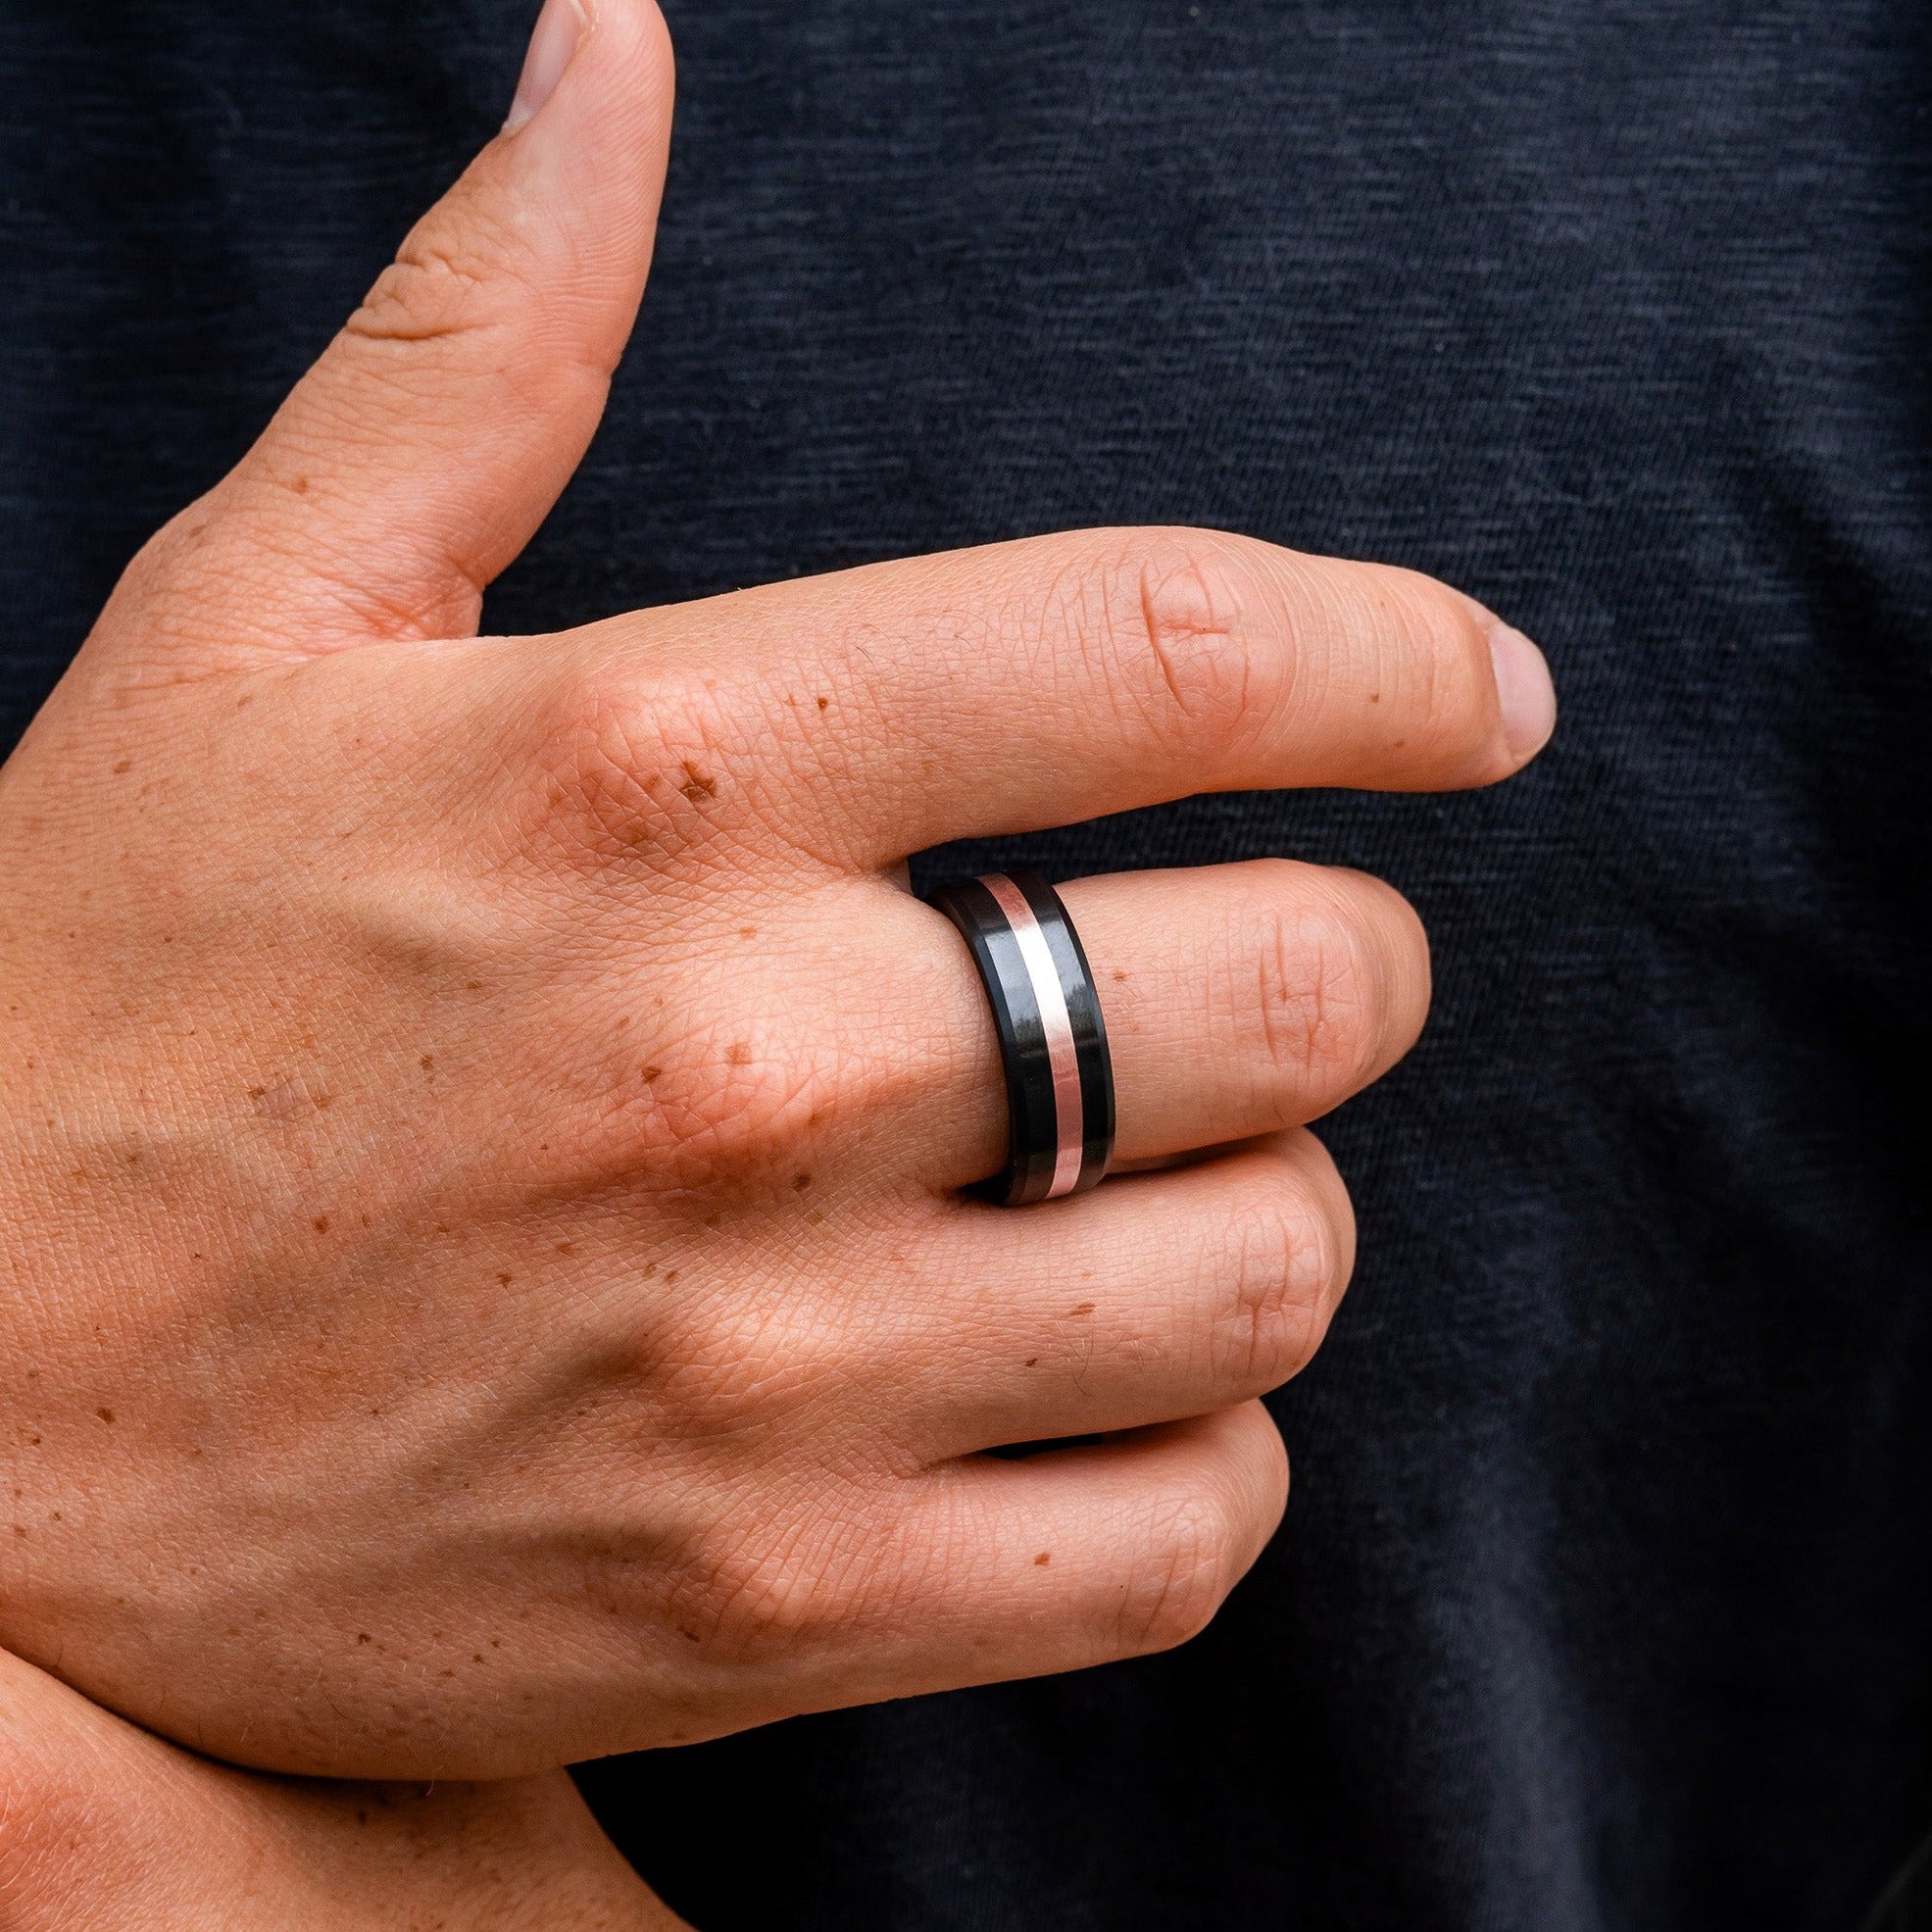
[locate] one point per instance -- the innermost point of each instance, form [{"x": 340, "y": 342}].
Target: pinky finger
[
  {"x": 1070, "y": 1559},
  {"x": 1128, "y": 1546}
]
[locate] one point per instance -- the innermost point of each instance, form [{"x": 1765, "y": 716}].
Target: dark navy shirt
[{"x": 1602, "y": 1604}]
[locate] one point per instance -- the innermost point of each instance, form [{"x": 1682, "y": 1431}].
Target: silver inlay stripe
[{"x": 1070, "y": 1111}]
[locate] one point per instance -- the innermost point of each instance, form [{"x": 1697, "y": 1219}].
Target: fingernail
[
  {"x": 559, "y": 29},
  {"x": 1523, "y": 685}
]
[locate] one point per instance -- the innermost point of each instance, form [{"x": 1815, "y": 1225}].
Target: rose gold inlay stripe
[{"x": 1070, "y": 1113}]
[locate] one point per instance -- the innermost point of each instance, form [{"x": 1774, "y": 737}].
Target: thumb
[{"x": 418, "y": 458}]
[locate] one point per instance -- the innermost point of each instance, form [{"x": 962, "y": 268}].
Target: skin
[
  {"x": 103, "y": 1828},
  {"x": 481, "y": 1118}
]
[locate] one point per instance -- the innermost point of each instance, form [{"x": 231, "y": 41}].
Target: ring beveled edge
[{"x": 1032, "y": 1140}]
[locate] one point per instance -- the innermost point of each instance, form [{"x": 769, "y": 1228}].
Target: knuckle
[
  {"x": 725, "y": 1097},
  {"x": 632, "y": 767},
  {"x": 462, "y": 270},
  {"x": 746, "y": 1599},
  {"x": 726, "y": 1367},
  {"x": 1185, "y": 1576},
  {"x": 1172, "y": 614},
  {"x": 1277, "y": 1271},
  {"x": 1316, "y": 999}
]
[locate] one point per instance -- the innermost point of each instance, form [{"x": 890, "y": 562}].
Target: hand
[
  {"x": 103, "y": 1827},
  {"x": 484, "y": 1282}
]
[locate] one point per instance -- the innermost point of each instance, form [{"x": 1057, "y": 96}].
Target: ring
[{"x": 1059, "y": 1078}]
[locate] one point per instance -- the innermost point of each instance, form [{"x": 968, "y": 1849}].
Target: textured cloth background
[{"x": 1603, "y": 1599}]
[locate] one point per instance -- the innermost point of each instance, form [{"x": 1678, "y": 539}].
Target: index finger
[{"x": 1058, "y": 679}]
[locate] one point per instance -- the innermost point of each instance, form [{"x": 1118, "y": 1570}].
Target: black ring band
[{"x": 1052, "y": 1039}]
